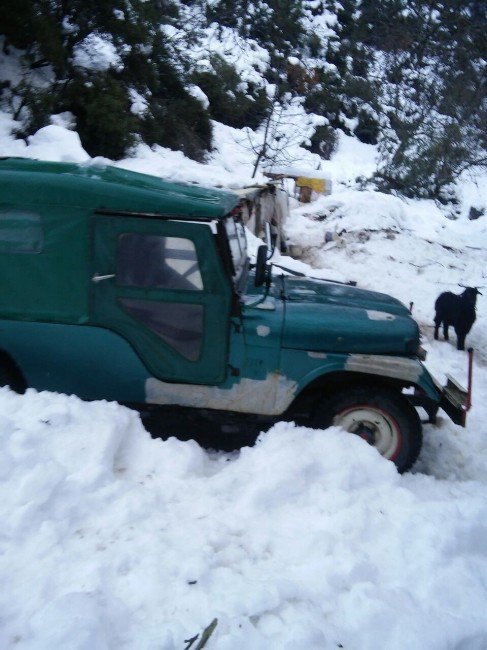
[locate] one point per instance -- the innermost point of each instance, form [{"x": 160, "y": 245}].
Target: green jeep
[{"x": 121, "y": 286}]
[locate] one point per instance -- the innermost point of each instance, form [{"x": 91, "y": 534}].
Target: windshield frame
[{"x": 236, "y": 244}]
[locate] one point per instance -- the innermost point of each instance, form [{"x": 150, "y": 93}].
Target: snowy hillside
[{"x": 309, "y": 540}]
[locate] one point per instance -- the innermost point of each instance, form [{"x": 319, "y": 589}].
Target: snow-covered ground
[{"x": 309, "y": 540}]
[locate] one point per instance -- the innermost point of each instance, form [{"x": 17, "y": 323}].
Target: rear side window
[
  {"x": 20, "y": 231},
  {"x": 153, "y": 261}
]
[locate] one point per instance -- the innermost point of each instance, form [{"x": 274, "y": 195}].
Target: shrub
[
  {"x": 324, "y": 141},
  {"x": 34, "y": 106},
  {"x": 180, "y": 123},
  {"x": 102, "y": 110},
  {"x": 367, "y": 129},
  {"x": 229, "y": 104}
]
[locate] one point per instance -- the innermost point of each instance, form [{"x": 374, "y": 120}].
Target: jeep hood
[{"x": 326, "y": 317}]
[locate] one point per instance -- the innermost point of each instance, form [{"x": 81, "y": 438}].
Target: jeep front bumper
[{"x": 455, "y": 401}]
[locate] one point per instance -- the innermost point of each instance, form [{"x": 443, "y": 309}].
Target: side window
[
  {"x": 20, "y": 231},
  {"x": 153, "y": 261}
]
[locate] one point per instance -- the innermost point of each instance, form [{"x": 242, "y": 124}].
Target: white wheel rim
[{"x": 376, "y": 427}]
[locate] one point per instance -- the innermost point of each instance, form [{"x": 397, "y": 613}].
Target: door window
[
  {"x": 152, "y": 261},
  {"x": 179, "y": 324}
]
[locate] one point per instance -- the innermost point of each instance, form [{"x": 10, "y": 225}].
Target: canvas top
[{"x": 102, "y": 187}]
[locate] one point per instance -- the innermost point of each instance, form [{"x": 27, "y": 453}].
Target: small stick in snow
[
  {"x": 207, "y": 632},
  {"x": 468, "y": 405},
  {"x": 190, "y": 641}
]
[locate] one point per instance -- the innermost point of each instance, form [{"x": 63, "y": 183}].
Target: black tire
[
  {"x": 381, "y": 416},
  {"x": 10, "y": 374},
  {"x": 4, "y": 377}
]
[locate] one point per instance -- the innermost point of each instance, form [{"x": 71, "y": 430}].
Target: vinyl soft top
[{"x": 109, "y": 189}]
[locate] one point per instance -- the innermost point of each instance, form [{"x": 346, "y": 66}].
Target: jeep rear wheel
[
  {"x": 5, "y": 379},
  {"x": 383, "y": 418},
  {"x": 10, "y": 374}
]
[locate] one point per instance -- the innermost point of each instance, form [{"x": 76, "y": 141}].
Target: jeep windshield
[{"x": 238, "y": 250}]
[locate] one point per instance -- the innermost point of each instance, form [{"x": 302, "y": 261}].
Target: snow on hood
[{"x": 308, "y": 540}]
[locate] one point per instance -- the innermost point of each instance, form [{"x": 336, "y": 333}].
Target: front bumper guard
[
  {"x": 452, "y": 398},
  {"x": 455, "y": 401}
]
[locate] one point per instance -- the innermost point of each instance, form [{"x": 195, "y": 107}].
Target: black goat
[{"x": 457, "y": 311}]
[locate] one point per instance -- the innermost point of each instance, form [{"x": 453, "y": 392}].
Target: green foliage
[
  {"x": 435, "y": 90},
  {"x": 280, "y": 24},
  {"x": 430, "y": 167},
  {"x": 410, "y": 74},
  {"x": 275, "y": 24},
  {"x": 102, "y": 110},
  {"x": 367, "y": 129},
  {"x": 324, "y": 141},
  {"x": 35, "y": 106},
  {"x": 325, "y": 98},
  {"x": 179, "y": 123},
  {"x": 314, "y": 45},
  {"x": 50, "y": 31},
  {"x": 229, "y": 104}
]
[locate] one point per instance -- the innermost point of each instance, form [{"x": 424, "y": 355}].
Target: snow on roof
[{"x": 293, "y": 172}]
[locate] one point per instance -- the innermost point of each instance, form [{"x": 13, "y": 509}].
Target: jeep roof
[{"x": 104, "y": 188}]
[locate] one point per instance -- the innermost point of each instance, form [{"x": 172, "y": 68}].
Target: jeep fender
[{"x": 399, "y": 371}]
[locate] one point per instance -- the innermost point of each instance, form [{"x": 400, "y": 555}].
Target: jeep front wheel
[{"x": 383, "y": 418}]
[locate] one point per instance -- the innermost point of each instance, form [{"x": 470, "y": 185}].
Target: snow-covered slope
[{"x": 309, "y": 540}]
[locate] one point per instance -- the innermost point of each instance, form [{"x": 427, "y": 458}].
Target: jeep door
[{"x": 161, "y": 285}]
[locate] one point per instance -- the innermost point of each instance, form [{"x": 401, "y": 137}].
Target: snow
[
  {"x": 198, "y": 94},
  {"x": 299, "y": 171},
  {"x": 53, "y": 142},
  {"x": 248, "y": 58},
  {"x": 96, "y": 53},
  {"x": 139, "y": 103},
  {"x": 309, "y": 540},
  {"x": 352, "y": 160}
]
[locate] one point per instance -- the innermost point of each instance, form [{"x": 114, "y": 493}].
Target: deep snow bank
[{"x": 309, "y": 540}]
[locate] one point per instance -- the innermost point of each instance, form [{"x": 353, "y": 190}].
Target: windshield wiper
[{"x": 350, "y": 283}]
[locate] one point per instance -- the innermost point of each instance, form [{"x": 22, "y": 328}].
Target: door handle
[{"x": 99, "y": 278}]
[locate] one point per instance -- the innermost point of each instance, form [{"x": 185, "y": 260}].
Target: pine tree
[
  {"x": 96, "y": 54},
  {"x": 433, "y": 96}
]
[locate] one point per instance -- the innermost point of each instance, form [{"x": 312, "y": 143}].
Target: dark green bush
[
  {"x": 180, "y": 123},
  {"x": 229, "y": 104},
  {"x": 367, "y": 129},
  {"x": 34, "y": 108},
  {"x": 103, "y": 118},
  {"x": 324, "y": 141}
]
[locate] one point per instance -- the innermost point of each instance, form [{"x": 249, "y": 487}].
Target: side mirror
[{"x": 260, "y": 266}]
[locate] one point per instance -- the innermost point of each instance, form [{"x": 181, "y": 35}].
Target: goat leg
[
  {"x": 445, "y": 332},
  {"x": 437, "y": 327},
  {"x": 460, "y": 339}
]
